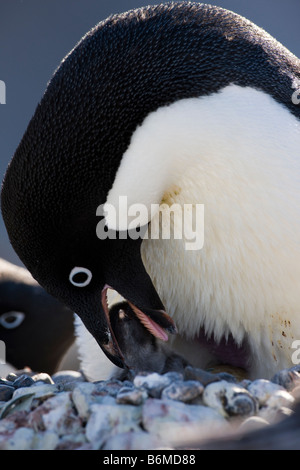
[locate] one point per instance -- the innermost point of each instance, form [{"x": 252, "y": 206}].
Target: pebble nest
[{"x": 146, "y": 411}]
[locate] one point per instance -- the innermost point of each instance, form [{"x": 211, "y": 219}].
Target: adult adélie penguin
[
  {"x": 178, "y": 103},
  {"x": 36, "y": 330}
]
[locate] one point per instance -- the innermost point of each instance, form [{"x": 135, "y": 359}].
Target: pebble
[
  {"x": 59, "y": 415},
  {"x": 228, "y": 377},
  {"x": 86, "y": 394},
  {"x": 4, "y": 381},
  {"x": 173, "y": 421},
  {"x": 184, "y": 391},
  {"x": 72, "y": 441},
  {"x": 16, "y": 404},
  {"x": 296, "y": 393},
  {"x": 106, "y": 420},
  {"x": 68, "y": 379},
  {"x": 6, "y": 392},
  {"x": 42, "y": 377},
  {"x": 154, "y": 383},
  {"x": 131, "y": 396},
  {"x": 23, "y": 381},
  {"x": 108, "y": 387},
  {"x": 11, "y": 377},
  {"x": 288, "y": 378},
  {"x": 148, "y": 411},
  {"x": 82, "y": 398},
  {"x": 21, "y": 439},
  {"x": 193, "y": 373},
  {"x": 132, "y": 440},
  {"x": 45, "y": 440},
  {"x": 229, "y": 399},
  {"x": 263, "y": 389},
  {"x": 39, "y": 390},
  {"x": 253, "y": 424},
  {"x": 276, "y": 405}
]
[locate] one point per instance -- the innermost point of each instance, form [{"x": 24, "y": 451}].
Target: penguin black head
[
  {"x": 125, "y": 68},
  {"x": 36, "y": 329}
]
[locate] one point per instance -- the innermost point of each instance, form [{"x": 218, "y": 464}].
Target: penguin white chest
[{"x": 235, "y": 152}]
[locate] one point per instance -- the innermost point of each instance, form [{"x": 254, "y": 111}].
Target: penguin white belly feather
[{"x": 236, "y": 152}]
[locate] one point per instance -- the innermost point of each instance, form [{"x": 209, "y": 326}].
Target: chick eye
[
  {"x": 10, "y": 320},
  {"x": 122, "y": 314},
  {"x": 80, "y": 277}
]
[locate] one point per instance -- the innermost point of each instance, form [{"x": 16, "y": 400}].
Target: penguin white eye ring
[
  {"x": 81, "y": 273},
  {"x": 11, "y": 320}
]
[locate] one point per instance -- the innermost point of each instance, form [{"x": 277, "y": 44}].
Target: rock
[
  {"x": 296, "y": 393},
  {"x": 276, "y": 406},
  {"x": 131, "y": 396},
  {"x": 194, "y": 373},
  {"x": 231, "y": 373},
  {"x": 228, "y": 377},
  {"x": 82, "y": 397},
  {"x": 65, "y": 377},
  {"x": 263, "y": 389},
  {"x": 119, "y": 415},
  {"x": 7, "y": 427},
  {"x": 154, "y": 383},
  {"x": 287, "y": 378},
  {"x": 274, "y": 415},
  {"x": 175, "y": 422},
  {"x": 67, "y": 380},
  {"x": 59, "y": 415},
  {"x": 244, "y": 383},
  {"x": 252, "y": 424},
  {"x": 46, "y": 440},
  {"x": 132, "y": 440},
  {"x": 21, "y": 439},
  {"x": 39, "y": 390},
  {"x": 280, "y": 398},
  {"x": 108, "y": 387},
  {"x": 42, "y": 377},
  {"x": 15, "y": 404},
  {"x": 85, "y": 395},
  {"x": 173, "y": 376},
  {"x": 4, "y": 381},
  {"x": 6, "y": 392},
  {"x": 107, "y": 420},
  {"x": 11, "y": 377},
  {"x": 23, "y": 381},
  {"x": 72, "y": 441},
  {"x": 229, "y": 399},
  {"x": 184, "y": 391}
]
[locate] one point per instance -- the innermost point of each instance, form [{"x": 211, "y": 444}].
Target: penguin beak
[{"x": 157, "y": 322}]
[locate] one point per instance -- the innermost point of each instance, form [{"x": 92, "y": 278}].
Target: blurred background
[{"x": 35, "y": 35}]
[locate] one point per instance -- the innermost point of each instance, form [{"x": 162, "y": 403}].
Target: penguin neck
[{"x": 233, "y": 137}]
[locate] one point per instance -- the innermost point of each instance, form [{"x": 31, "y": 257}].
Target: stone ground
[{"x": 146, "y": 411}]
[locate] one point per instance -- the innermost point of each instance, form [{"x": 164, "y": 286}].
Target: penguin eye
[
  {"x": 10, "y": 320},
  {"x": 80, "y": 277}
]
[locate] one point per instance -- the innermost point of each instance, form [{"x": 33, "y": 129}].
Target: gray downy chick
[{"x": 141, "y": 350}]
